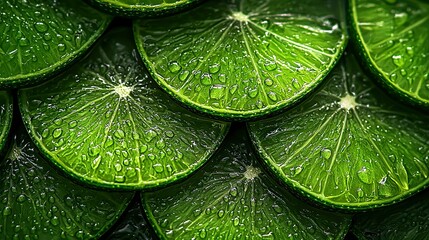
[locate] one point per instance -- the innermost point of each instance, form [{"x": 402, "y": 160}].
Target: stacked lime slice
[
  {"x": 106, "y": 123},
  {"x": 243, "y": 59},
  {"x": 349, "y": 145},
  {"x": 393, "y": 39},
  {"x": 39, "y": 203},
  {"x": 141, "y": 8},
  {"x": 41, "y": 38},
  {"x": 232, "y": 197}
]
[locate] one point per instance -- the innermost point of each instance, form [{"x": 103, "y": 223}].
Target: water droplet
[
  {"x": 21, "y": 198},
  {"x": 109, "y": 141},
  {"x": 393, "y": 76},
  {"x": 401, "y": 18},
  {"x": 297, "y": 170},
  {"x": 179, "y": 155},
  {"x": 272, "y": 96},
  {"x": 268, "y": 82},
  {"x": 233, "y": 192},
  {"x": 72, "y": 124},
  {"x": 23, "y": 42},
  {"x": 236, "y": 221},
  {"x": 169, "y": 134},
  {"x": 160, "y": 144},
  {"x": 94, "y": 151},
  {"x": 270, "y": 65},
  {"x": 7, "y": 211},
  {"x": 47, "y": 36},
  {"x": 365, "y": 175},
  {"x": 422, "y": 167},
  {"x": 222, "y": 78},
  {"x": 220, "y": 213},
  {"x": 295, "y": 83},
  {"x": 143, "y": 148},
  {"x": 253, "y": 92},
  {"x": 206, "y": 79},
  {"x": 135, "y": 136},
  {"x": 158, "y": 167},
  {"x": 119, "y": 133},
  {"x": 41, "y": 27},
  {"x": 119, "y": 178},
  {"x": 217, "y": 91},
  {"x": 277, "y": 208},
  {"x": 398, "y": 60},
  {"x": 55, "y": 221},
  {"x": 326, "y": 153},
  {"x": 174, "y": 67},
  {"x": 410, "y": 51},
  {"x": 233, "y": 88},
  {"x": 184, "y": 75},
  {"x": 61, "y": 47},
  {"x": 57, "y": 133},
  {"x": 403, "y": 72},
  {"x": 45, "y": 133},
  {"x": 118, "y": 167},
  {"x": 214, "y": 68}
]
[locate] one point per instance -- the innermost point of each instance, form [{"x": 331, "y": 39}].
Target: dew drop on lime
[
  {"x": 184, "y": 75},
  {"x": 233, "y": 89},
  {"x": 217, "y": 91},
  {"x": 295, "y": 83},
  {"x": 45, "y": 133},
  {"x": 41, "y": 27},
  {"x": 236, "y": 221},
  {"x": 268, "y": 82},
  {"x": 233, "y": 192},
  {"x": 57, "y": 133},
  {"x": 277, "y": 208},
  {"x": 143, "y": 148},
  {"x": 221, "y": 213},
  {"x": 203, "y": 233},
  {"x": 326, "y": 153},
  {"x": 174, "y": 67},
  {"x": 206, "y": 79},
  {"x": 61, "y": 47},
  {"x": 169, "y": 134},
  {"x": 215, "y": 68},
  {"x": 21, "y": 198},
  {"x": 118, "y": 167},
  {"x": 270, "y": 65},
  {"x": 158, "y": 167},
  {"x": 119, "y": 134},
  {"x": 119, "y": 178},
  {"x": 272, "y": 96},
  {"x": 365, "y": 175},
  {"x": 252, "y": 93},
  {"x": 7, "y": 211}
]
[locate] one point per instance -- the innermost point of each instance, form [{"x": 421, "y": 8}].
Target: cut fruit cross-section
[
  {"x": 243, "y": 59},
  {"x": 350, "y": 145},
  {"x": 106, "y": 123}
]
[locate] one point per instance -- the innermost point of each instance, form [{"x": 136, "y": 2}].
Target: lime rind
[
  {"x": 142, "y": 9},
  {"x": 107, "y": 124},
  {"x": 46, "y": 205},
  {"x": 53, "y": 44},
  {"x": 232, "y": 197},
  {"x": 348, "y": 146},
  {"x": 225, "y": 79},
  {"x": 392, "y": 57},
  {"x": 6, "y": 114}
]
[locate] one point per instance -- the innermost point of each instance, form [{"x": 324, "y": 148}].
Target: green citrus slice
[
  {"x": 105, "y": 122},
  {"x": 405, "y": 220},
  {"x": 6, "y": 112},
  {"x": 141, "y": 8},
  {"x": 232, "y": 197},
  {"x": 39, "y": 203},
  {"x": 132, "y": 224},
  {"x": 243, "y": 59},
  {"x": 350, "y": 145},
  {"x": 393, "y": 38},
  {"x": 40, "y": 38}
]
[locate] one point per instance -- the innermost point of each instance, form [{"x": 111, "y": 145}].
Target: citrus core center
[
  {"x": 251, "y": 172},
  {"x": 123, "y": 91},
  {"x": 348, "y": 102},
  {"x": 239, "y": 16}
]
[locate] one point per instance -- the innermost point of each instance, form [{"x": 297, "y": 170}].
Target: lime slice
[
  {"x": 141, "y": 8},
  {"x": 350, "y": 145},
  {"x": 232, "y": 197},
  {"x": 393, "y": 38},
  {"x": 38, "y": 203},
  {"x": 405, "y": 220},
  {"x": 243, "y": 59},
  {"x": 6, "y": 112},
  {"x": 40, "y": 38},
  {"x": 132, "y": 225},
  {"x": 105, "y": 122}
]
